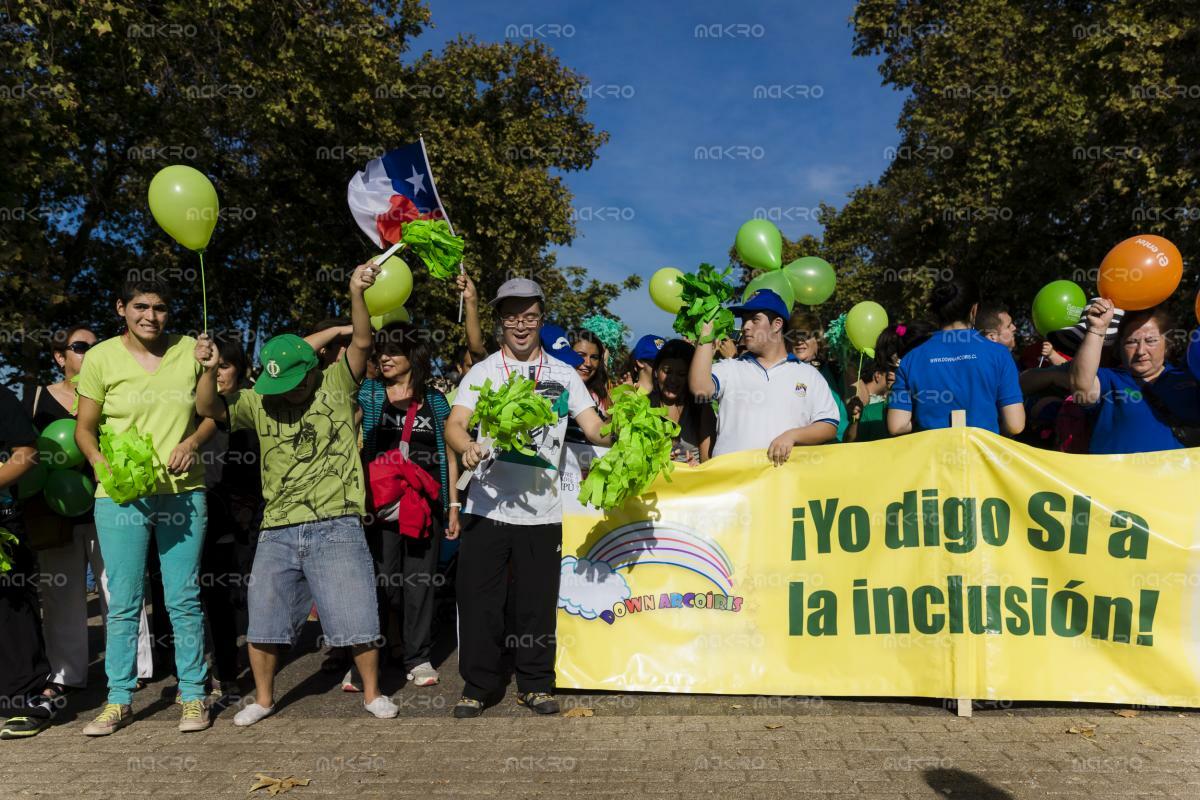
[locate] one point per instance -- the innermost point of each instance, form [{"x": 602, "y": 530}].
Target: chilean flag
[{"x": 392, "y": 191}]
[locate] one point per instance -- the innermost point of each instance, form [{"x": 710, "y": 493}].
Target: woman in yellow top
[{"x": 145, "y": 379}]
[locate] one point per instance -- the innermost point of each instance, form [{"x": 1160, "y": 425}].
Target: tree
[
  {"x": 1036, "y": 136},
  {"x": 279, "y": 103}
]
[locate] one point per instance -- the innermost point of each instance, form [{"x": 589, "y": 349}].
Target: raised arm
[
  {"x": 700, "y": 380},
  {"x": 1084, "y": 369},
  {"x": 475, "y": 341},
  {"x": 208, "y": 403},
  {"x": 361, "y": 339}
]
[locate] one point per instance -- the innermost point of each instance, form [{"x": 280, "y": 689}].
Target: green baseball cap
[{"x": 285, "y": 360}]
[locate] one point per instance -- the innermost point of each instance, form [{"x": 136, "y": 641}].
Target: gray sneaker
[{"x": 423, "y": 675}]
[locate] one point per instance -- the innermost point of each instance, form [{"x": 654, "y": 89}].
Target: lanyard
[{"x": 537, "y": 377}]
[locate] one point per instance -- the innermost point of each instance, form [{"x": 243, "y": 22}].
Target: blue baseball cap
[
  {"x": 647, "y": 347},
  {"x": 762, "y": 300},
  {"x": 556, "y": 343}
]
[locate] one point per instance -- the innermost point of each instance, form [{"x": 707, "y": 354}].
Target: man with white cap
[{"x": 511, "y": 544}]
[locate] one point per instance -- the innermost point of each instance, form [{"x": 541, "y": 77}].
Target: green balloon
[
  {"x": 777, "y": 282},
  {"x": 56, "y": 445},
  {"x": 760, "y": 245},
  {"x": 1059, "y": 304},
  {"x": 69, "y": 493},
  {"x": 395, "y": 315},
  {"x": 864, "y": 323},
  {"x": 184, "y": 204},
  {"x": 391, "y": 289},
  {"x": 812, "y": 280},
  {"x": 666, "y": 291},
  {"x": 32, "y": 482}
]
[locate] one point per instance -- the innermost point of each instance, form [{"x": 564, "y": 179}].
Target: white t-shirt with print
[{"x": 519, "y": 489}]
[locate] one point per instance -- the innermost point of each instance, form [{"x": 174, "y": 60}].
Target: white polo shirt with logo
[{"x": 755, "y": 403}]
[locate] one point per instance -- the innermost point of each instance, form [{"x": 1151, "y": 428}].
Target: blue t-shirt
[
  {"x": 1123, "y": 421},
  {"x": 957, "y": 369}
]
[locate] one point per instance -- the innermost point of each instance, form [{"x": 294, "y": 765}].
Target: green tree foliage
[
  {"x": 1036, "y": 135},
  {"x": 279, "y": 103}
]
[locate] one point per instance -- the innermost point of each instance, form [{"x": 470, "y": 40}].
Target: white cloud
[{"x": 586, "y": 588}]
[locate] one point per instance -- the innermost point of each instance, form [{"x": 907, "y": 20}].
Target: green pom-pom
[
  {"x": 133, "y": 466},
  {"x": 8, "y": 540},
  {"x": 509, "y": 414},
  {"x": 608, "y": 330},
  {"x": 435, "y": 245},
  {"x": 704, "y": 296},
  {"x": 836, "y": 339},
  {"x": 641, "y": 452}
]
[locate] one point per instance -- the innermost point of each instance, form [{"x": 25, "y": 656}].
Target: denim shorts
[{"x": 326, "y": 561}]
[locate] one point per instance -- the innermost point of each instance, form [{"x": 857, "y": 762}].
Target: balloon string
[
  {"x": 203, "y": 291},
  {"x": 858, "y": 376}
]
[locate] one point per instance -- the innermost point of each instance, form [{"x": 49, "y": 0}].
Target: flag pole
[{"x": 433, "y": 185}]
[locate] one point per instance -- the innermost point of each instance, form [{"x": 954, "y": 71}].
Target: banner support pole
[{"x": 962, "y": 705}]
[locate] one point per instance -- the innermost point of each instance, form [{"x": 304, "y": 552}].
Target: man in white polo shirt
[{"x": 767, "y": 398}]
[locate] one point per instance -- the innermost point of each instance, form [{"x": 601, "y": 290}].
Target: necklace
[{"x": 537, "y": 377}]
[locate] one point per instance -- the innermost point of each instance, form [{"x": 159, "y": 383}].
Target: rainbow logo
[{"x": 593, "y": 585}]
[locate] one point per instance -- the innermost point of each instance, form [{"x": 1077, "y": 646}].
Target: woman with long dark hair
[
  {"x": 414, "y": 499},
  {"x": 697, "y": 423},
  {"x": 593, "y": 369}
]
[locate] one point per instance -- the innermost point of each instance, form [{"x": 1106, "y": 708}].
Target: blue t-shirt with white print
[{"x": 956, "y": 369}]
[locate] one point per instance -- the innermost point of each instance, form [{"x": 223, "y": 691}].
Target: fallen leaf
[
  {"x": 276, "y": 786},
  {"x": 735, "y": 706},
  {"x": 1127, "y": 712},
  {"x": 579, "y": 712},
  {"x": 1086, "y": 731},
  {"x": 773, "y": 726}
]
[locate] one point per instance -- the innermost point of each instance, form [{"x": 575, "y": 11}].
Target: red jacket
[{"x": 395, "y": 481}]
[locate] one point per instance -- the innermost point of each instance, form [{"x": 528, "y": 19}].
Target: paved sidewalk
[{"x": 633, "y": 746}]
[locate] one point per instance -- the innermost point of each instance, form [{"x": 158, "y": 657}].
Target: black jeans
[
  {"x": 23, "y": 665},
  {"x": 406, "y": 574},
  {"x": 225, "y": 575},
  {"x": 518, "y": 565}
]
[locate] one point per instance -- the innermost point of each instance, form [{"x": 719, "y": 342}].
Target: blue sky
[{"x": 662, "y": 91}]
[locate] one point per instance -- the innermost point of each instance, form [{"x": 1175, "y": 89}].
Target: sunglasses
[{"x": 79, "y": 348}]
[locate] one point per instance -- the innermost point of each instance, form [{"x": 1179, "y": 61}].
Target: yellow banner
[{"x": 950, "y": 563}]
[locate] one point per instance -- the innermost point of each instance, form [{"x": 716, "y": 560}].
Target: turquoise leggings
[{"x": 177, "y": 522}]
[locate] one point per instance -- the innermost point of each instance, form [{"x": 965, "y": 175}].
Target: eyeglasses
[
  {"x": 517, "y": 321},
  {"x": 1149, "y": 341},
  {"x": 79, "y": 348}
]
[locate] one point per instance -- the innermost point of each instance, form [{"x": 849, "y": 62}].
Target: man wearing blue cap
[
  {"x": 643, "y": 354},
  {"x": 767, "y": 398}
]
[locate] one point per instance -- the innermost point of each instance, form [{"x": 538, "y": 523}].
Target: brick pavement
[{"x": 634, "y": 746}]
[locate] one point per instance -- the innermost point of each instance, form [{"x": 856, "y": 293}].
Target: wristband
[
  {"x": 456, "y": 505},
  {"x": 1096, "y": 333}
]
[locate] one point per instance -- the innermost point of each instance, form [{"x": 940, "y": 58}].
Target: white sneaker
[
  {"x": 251, "y": 714},
  {"x": 423, "y": 675},
  {"x": 349, "y": 684},
  {"x": 382, "y": 707}
]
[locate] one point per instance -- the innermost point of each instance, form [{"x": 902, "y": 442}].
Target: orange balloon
[
  {"x": 1141, "y": 272},
  {"x": 1198, "y": 307}
]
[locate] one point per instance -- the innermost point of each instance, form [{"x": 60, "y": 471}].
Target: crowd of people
[{"x": 327, "y": 486}]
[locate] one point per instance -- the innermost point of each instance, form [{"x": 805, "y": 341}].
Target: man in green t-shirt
[{"x": 312, "y": 541}]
